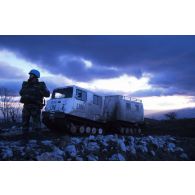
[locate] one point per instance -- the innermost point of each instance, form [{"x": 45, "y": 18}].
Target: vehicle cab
[{"x": 76, "y": 101}]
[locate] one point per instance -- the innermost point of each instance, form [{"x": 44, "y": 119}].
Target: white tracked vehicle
[{"x": 79, "y": 111}]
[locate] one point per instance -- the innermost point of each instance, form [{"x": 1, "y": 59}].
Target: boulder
[
  {"x": 49, "y": 156},
  {"x": 171, "y": 147},
  {"x": 122, "y": 145},
  {"x": 32, "y": 142},
  {"x": 142, "y": 148},
  {"x": 46, "y": 142},
  {"x": 152, "y": 153},
  {"x": 7, "y": 153},
  {"x": 75, "y": 140},
  {"x": 184, "y": 156},
  {"x": 92, "y": 147},
  {"x": 57, "y": 151},
  {"x": 71, "y": 150},
  {"x": 78, "y": 158},
  {"x": 132, "y": 149},
  {"x": 117, "y": 157},
  {"x": 92, "y": 157}
]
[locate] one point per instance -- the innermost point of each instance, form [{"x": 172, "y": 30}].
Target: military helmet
[{"x": 35, "y": 72}]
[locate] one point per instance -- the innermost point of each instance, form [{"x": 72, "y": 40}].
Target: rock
[
  {"x": 105, "y": 144},
  {"x": 93, "y": 147},
  {"x": 7, "y": 153},
  {"x": 71, "y": 150},
  {"x": 21, "y": 150},
  {"x": 33, "y": 142},
  {"x": 92, "y": 157},
  {"x": 150, "y": 137},
  {"x": 49, "y": 156},
  {"x": 155, "y": 142},
  {"x": 91, "y": 138},
  {"x": 108, "y": 138},
  {"x": 75, "y": 140},
  {"x": 171, "y": 139},
  {"x": 132, "y": 149},
  {"x": 171, "y": 147},
  {"x": 78, "y": 158},
  {"x": 131, "y": 140},
  {"x": 117, "y": 157},
  {"x": 57, "y": 151},
  {"x": 142, "y": 148},
  {"x": 100, "y": 137},
  {"x": 66, "y": 139},
  {"x": 153, "y": 153},
  {"x": 178, "y": 149},
  {"x": 122, "y": 145},
  {"x": 184, "y": 156},
  {"x": 46, "y": 142},
  {"x": 143, "y": 142}
]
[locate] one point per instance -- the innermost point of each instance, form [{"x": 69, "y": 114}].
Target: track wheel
[
  {"x": 127, "y": 131},
  {"x": 122, "y": 130},
  {"x": 94, "y": 131},
  {"x": 82, "y": 130},
  {"x": 134, "y": 131},
  {"x": 100, "y": 131},
  {"x": 139, "y": 131},
  {"x": 88, "y": 130},
  {"x": 73, "y": 128}
]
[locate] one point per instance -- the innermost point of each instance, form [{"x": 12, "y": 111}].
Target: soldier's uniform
[{"x": 32, "y": 94}]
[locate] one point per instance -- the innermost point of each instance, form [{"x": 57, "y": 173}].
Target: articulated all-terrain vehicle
[{"x": 79, "y": 111}]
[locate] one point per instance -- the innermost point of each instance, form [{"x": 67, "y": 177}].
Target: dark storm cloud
[
  {"x": 170, "y": 59},
  {"x": 12, "y": 85},
  {"x": 10, "y": 72},
  {"x": 75, "y": 68}
]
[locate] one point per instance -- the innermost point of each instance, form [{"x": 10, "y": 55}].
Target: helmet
[{"x": 35, "y": 72}]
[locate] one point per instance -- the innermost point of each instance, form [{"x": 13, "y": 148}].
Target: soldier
[{"x": 32, "y": 96}]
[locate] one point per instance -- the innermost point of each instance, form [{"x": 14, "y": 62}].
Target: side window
[
  {"x": 128, "y": 106},
  {"x": 81, "y": 95},
  {"x": 97, "y": 100}
]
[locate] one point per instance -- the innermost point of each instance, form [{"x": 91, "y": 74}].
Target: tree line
[{"x": 10, "y": 107}]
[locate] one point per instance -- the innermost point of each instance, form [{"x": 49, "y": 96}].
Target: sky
[{"x": 157, "y": 69}]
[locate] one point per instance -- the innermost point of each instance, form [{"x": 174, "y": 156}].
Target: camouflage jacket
[{"x": 33, "y": 92}]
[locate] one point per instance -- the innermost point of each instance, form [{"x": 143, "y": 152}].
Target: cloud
[
  {"x": 170, "y": 60},
  {"x": 10, "y": 72}
]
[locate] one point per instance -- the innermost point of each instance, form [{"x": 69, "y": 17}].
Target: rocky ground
[{"x": 52, "y": 147}]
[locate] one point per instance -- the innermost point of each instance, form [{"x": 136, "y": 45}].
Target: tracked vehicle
[{"x": 79, "y": 111}]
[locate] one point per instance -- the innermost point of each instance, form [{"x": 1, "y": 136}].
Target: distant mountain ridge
[{"x": 181, "y": 113}]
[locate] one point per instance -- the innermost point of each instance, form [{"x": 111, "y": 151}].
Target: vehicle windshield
[{"x": 63, "y": 93}]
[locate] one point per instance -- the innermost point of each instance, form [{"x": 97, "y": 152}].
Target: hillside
[{"x": 181, "y": 113}]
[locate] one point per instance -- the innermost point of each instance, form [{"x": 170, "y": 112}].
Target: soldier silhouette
[{"x": 32, "y": 96}]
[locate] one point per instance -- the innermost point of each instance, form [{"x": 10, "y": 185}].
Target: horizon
[{"x": 159, "y": 70}]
